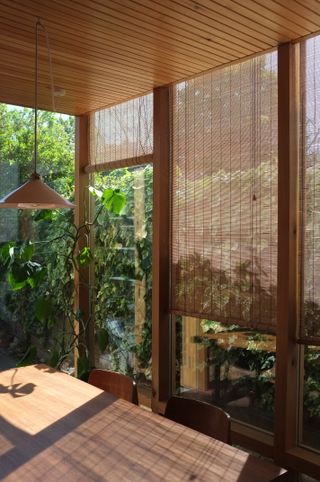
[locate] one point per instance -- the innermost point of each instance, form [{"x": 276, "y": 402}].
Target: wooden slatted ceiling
[{"x": 106, "y": 51}]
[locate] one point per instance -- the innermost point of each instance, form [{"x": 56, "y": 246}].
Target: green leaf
[
  {"x": 19, "y": 272},
  {"x": 114, "y": 200},
  {"x": 15, "y": 285},
  {"x": 26, "y": 252},
  {"x": 34, "y": 280},
  {"x": 43, "y": 309},
  {"x": 102, "y": 338},
  {"x": 36, "y": 273},
  {"x": 43, "y": 215},
  {"x": 5, "y": 257},
  {"x": 5, "y": 250},
  {"x": 85, "y": 256},
  {"x": 29, "y": 357}
]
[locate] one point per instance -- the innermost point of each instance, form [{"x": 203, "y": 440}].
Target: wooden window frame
[{"x": 283, "y": 446}]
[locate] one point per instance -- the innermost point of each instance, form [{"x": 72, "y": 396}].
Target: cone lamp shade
[{"x": 35, "y": 194}]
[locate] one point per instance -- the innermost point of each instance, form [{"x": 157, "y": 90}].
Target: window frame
[{"x": 283, "y": 446}]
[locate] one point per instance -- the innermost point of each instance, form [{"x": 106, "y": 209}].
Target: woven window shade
[
  {"x": 310, "y": 189},
  {"x": 224, "y": 195},
  {"x": 123, "y": 132}
]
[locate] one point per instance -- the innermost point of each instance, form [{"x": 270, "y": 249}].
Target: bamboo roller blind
[
  {"x": 122, "y": 132},
  {"x": 310, "y": 188},
  {"x": 224, "y": 195}
]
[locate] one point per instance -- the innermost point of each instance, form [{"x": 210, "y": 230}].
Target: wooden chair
[
  {"x": 200, "y": 416},
  {"x": 119, "y": 385}
]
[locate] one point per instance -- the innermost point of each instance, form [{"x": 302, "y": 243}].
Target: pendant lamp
[{"x": 35, "y": 194}]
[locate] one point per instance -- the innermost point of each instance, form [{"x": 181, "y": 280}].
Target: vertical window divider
[
  {"x": 287, "y": 372},
  {"x": 161, "y": 331},
  {"x": 82, "y": 295}
]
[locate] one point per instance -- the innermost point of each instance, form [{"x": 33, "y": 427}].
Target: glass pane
[
  {"x": 310, "y": 189},
  {"x": 34, "y": 316},
  {"x": 123, "y": 278},
  {"x": 311, "y": 398},
  {"x": 229, "y": 366}
]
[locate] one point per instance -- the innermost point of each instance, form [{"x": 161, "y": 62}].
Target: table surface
[{"x": 55, "y": 427}]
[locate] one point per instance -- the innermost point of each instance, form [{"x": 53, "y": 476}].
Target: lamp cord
[
  {"x": 39, "y": 24},
  {"x": 36, "y": 101}
]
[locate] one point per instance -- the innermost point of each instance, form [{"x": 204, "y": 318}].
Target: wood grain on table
[{"x": 55, "y": 427}]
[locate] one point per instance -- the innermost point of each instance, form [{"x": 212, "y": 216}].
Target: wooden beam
[
  {"x": 287, "y": 365},
  {"x": 160, "y": 255},
  {"x": 82, "y": 213},
  {"x": 108, "y": 166}
]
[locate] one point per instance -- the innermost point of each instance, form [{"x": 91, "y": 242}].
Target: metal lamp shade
[{"x": 34, "y": 194}]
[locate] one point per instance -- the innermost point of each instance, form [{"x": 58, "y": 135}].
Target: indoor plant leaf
[{"x": 85, "y": 256}]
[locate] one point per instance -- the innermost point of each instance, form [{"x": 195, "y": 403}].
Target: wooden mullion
[
  {"x": 82, "y": 280},
  {"x": 160, "y": 255},
  {"x": 303, "y": 460},
  {"x": 287, "y": 368}
]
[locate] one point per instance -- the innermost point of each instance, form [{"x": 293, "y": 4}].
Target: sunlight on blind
[
  {"x": 224, "y": 194},
  {"x": 310, "y": 188},
  {"x": 122, "y": 131}
]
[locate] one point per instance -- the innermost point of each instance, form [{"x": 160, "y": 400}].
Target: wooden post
[
  {"x": 287, "y": 363},
  {"x": 161, "y": 339},
  {"x": 82, "y": 212}
]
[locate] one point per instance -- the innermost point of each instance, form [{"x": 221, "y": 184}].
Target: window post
[
  {"x": 287, "y": 368},
  {"x": 82, "y": 292},
  {"x": 161, "y": 339}
]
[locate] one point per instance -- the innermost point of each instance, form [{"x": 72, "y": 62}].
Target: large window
[
  {"x": 121, "y": 146},
  {"x": 224, "y": 236},
  {"x": 35, "y": 316},
  {"x": 310, "y": 240},
  {"x": 123, "y": 278}
]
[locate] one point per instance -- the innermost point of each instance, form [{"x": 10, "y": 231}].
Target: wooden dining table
[{"x": 54, "y": 427}]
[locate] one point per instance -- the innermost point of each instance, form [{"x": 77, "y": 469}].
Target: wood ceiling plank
[
  {"x": 158, "y": 30},
  {"x": 312, "y": 5},
  {"x": 227, "y": 26},
  {"x": 76, "y": 73},
  {"x": 159, "y": 11},
  {"x": 91, "y": 67},
  {"x": 262, "y": 16},
  {"x": 105, "y": 52},
  {"x": 231, "y": 16},
  {"x": 297, "y": 14},
  {"x": 82, "y": 87},
  {"x": 66, "y": 50},
  {"x": 97, "y": 36},
  {"x": 95, "y": 45},
  {"x": 72, "y": 106}
]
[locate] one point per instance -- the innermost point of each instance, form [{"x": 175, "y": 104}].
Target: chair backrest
[
  {"x": 119, "y": 385},
  {"x": 200, "y": 416}
]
